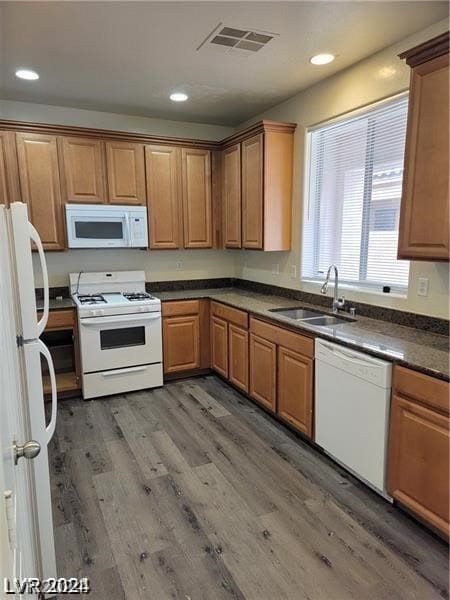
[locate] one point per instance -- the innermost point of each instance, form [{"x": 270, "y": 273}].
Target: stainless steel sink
[
  {"x": 311, "y": 317},
  {"x": 325, "y": 321},
  {"x": 298, "y": 314}
]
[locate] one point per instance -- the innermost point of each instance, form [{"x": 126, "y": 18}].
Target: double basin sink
[{"x": 311, "y": 317}]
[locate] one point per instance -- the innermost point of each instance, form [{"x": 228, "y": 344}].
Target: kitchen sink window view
[{"x": 352, "y": 210}]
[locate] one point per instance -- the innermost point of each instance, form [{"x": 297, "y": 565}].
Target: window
[{"x": 353, "y": 204}]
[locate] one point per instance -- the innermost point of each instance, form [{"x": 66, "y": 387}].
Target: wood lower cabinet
[
  {"x": 238, "y": 357},
  {"x": 281, "y": 373},
  {"x": 231, "y": 196},
  {"x": 185, "y": 336},
  {"x": 418, "y": 467},
  {"x": 61, "y": 338},
  {"x": 196, "y": 197},
  {"x": 181, "y": 348},
  {"x": 219, "y": 346},
  {"x": 9, "y": 175},
  {"x": 295, "y": 389},
  {"x": 424, "y": 216},
  {"x": 40, "y": 186},
  {"x": 125, "y": 168},
  {"x": 263, "y": 371},
  {"x": 82, "y": 170},
  {"x": 164, "y": 197}
]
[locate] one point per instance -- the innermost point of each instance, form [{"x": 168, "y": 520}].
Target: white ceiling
[{"x": 128, "y": 56}]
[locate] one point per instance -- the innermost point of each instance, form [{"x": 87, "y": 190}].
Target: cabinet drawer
[
  {"x": 422, "y": 388},
  {"x": 180, "y": 307},
  {"x": 282, "y": 337},
  {"x": 233, "y": 315},
  {"x": 59, "y": 319}
]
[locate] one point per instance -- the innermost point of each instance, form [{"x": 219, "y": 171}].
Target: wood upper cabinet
[
  {"x": 424, "y": 216},
  {"x": 252, "y": 192},
  {"x": 125, "y": 172},
  {"x": 82, "y": 170},
  {"x": 9, "y": 175},
  {"x": 418, "y": 467},
  {"x": 231, "y": 196},
  {"x": 295, "y": 389},
  {"x": 181, "y": 343},
  {"x": 40, "y": 186},
  {"x": 263, "y": 371},
  {"x": 238, "y": 357},
  {"x": 219, "y": 345},
  {"x": 267, "y": 169},
  {"x": 196, "y": 195},
  {"x": 164, "y": 197}
]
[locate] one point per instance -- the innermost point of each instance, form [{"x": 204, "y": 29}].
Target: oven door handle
[
  {"x": 87, "y": 322},
  {"x": 123, "y": 371}
]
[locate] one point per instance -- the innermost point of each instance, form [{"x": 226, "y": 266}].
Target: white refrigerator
[{"x": 17, "y": 236}]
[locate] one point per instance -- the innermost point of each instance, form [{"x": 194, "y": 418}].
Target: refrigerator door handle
[
  {"x": 50, "y": 429},
  {"x": 37, "y": 240}
]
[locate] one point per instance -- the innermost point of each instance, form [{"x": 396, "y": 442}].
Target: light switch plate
[
  {"x": 275, "y": 269},
  {"x": 293, "y": 271}
]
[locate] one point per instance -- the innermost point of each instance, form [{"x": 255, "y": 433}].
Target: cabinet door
[
  {"x": 418, "y": 469},
  {"x": 238, "y": 357},
  {"x": 126, "y": 173},
  {"x": 263, "y": 368},
  {"x": 196, "y": 193},
  {"x": 219, "y": 346},
  {"x": 231, "y": 196},
  {"x": 252, "y": 192},
  {"x": 40, "y": 186},
  {"x": 181, "y": 343},
  {"x": 9, "y": 175},
  {"x": 83, "y": 173},
  {"x": 163, "y": 165},
  {"x": 295, "y": 389},
  {"x": 424, "y": 231}
]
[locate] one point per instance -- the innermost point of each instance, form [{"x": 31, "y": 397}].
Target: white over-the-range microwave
[{"x": 106, "y": 226}]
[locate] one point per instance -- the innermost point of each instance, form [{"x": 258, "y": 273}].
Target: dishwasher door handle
[{"x": 352, "y": 357}]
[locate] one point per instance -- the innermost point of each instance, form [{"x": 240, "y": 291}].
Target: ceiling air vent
[{"x": 232, "y": 39}]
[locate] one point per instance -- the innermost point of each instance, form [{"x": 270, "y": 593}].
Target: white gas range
[{"x": 120, "y": 332}]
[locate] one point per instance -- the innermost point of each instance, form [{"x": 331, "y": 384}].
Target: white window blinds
[{"x": 352, "y": 208}]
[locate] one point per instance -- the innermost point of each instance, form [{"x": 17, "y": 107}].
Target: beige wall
[
  {"x": 77, "y": 117},
  {"x": 377, "y": 77},
  {"x": 158, "y": 265}
]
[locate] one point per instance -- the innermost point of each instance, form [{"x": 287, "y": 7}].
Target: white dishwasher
[{"x": 352, "y": 403}]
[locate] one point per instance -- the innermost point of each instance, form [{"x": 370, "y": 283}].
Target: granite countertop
[
  {"x": 414, "y": 348},
  {"x": 56, "y": 304}
]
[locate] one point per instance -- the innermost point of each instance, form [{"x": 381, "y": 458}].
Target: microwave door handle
[{"x": 127, "y": 223}]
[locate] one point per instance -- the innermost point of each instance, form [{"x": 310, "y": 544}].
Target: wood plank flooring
[{"x": 192, "y": 492}]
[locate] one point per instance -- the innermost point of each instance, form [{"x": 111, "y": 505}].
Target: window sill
[{"x": 358, "y": 289}]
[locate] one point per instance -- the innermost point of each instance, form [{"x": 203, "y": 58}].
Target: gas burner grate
[
  {"x": 91, "y": 299},
  {"x": 136, "y": 296}
]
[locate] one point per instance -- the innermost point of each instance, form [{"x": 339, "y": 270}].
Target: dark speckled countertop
[
  {"x": 56, "y": 304},
  {"x": 414, "y": 348}
]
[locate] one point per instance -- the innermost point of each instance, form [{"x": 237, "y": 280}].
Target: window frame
[{"x": 362, "y": 285}]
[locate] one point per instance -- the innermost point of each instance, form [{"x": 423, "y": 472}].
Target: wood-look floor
[{"x": 192, "y": 492}]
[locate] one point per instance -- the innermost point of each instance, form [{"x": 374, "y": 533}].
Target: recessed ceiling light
[
  {"x": 322, "y": 59},
  {"x": 27, "y": 74},
  {"x": 178, "y": 97}
]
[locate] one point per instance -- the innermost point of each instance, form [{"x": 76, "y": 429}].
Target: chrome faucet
[{"x": 337, "y": 301}]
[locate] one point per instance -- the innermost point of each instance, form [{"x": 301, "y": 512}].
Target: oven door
[
  {"x": 99, "y": 230},
  {"x": 115, "y": 342}
]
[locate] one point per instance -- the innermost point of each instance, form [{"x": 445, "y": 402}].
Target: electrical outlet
[
  {"x": 293, "y": 271},
  {"x": 179, "y": 266},
  {"x": 422, "y": 286},
  {"x": 275, "y": 269}
]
